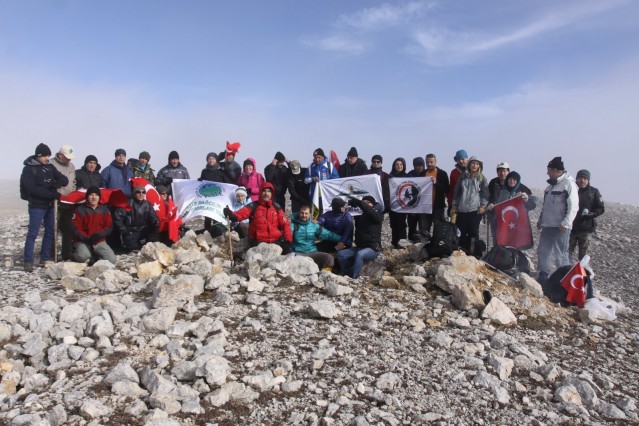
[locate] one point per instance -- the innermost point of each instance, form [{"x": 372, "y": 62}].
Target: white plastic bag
[{"x": 601, "y": 309}]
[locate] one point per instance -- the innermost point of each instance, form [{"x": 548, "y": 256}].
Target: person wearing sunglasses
[
  {"x": 376, "y": 169},
  {"x": 138, "y": 225}
]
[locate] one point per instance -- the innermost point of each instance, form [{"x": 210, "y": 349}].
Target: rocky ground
[{"x": 182, "y": 336}]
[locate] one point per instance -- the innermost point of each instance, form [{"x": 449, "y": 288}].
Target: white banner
[
  {"x": 351, "y": 187},
  {"x": 411, "y": 194},
  {"x": 202, "y": 198}
]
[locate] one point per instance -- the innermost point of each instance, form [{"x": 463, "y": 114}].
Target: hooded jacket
[
  {"x": 277, "y": 176},
  {"x": 394, "y": 173},
  {"x": 253, "y": 182},
  {"x": 368, "y": 227},
  {"x": 506, "y": 193},
  {"x": 41, "y": 183},
  {"x": 117, "y": 176},
  {"x": 339, "y": 222},
  {"x": 267, "y": 223},
  {"x": 87, "y": 179},
  {"x": 306, "y": 233},
  {"x": 214, "y": 174},
  {"x": 561, "y": 203}
]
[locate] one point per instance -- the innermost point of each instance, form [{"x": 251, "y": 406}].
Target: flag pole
[
  {"x": 228, "y": 227},
  {"x": 55, "y": 231},
  {"x": 487, "y": 232}
]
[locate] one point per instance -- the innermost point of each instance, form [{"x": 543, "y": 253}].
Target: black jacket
[
  {"x": 86, "y": 179},
  {"x": 214, "y": 174},
  {"x": 589, "y": 198},
  {"x": 277, "y": 176},
  {"x": 383, "y": 177},
  {"x": 297, "y": 189},
  {"x": 368, "y": 226},
  {"x": 40, "y": 182},
  {"x": 441, "y": 189},
  {"x": 140, "y": 216},
  {"x": 357, "y": 169}
]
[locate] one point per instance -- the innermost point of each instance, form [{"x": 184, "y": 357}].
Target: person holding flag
[
  {"x": 91, "y": 224},
  {"x": 139, "y": 223},
  {"x": 514, "y": 199}
]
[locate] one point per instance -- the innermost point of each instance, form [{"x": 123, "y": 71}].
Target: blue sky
[{"x": 516, "y": 81}]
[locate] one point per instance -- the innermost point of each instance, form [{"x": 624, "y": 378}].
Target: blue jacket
[
  {"x": 323, "y": 171},
  {"x": 41, "y": 182},
  {"x": 340, "y": 223},
  {"x": 117, "y": 177},
  {"x": 306, "y": 233}
]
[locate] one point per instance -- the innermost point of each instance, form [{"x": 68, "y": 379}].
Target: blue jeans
[
  {"x": 552, "y": 244},
  {"x": 351, "y": 260},
  {"x": 37, "y": 217}
]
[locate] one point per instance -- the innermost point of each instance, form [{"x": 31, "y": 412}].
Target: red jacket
[
  {"x": 88, "y": 222},
  {"x": 268, "y": 224}
]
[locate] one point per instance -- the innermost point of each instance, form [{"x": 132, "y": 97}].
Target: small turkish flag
[
  {"x": 111, "y": 197},
  {"x": 512, "y": 227},
  {"x": 574, "y": 283}
]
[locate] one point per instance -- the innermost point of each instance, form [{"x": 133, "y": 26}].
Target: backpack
[
  {"x": 553, "y": 289},
  {"x": 444, "y": 241},
  {"x": 507, "y": 259},
  {"x": 23, "y": 189}
]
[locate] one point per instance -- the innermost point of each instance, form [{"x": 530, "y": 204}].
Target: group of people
[{"x": 258, "y": 212}]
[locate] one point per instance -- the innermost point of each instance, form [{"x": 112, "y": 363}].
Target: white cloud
[
  {"x": 386, "y": 15},
  {"x": 337, "y": 43}
]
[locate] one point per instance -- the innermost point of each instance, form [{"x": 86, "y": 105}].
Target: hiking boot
[{"x": 28, "y": 266}]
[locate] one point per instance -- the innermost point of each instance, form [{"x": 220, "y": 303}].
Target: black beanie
[
  {"x": 352, "y": 152},
  {"x": 120, "y": 151},
  {"x": 42, "y": 150},
  {"x": 369, "y": 198},
  {"x": 556, "y": 163},
  {"x": 174, "y": 155},
  {"x": 319, "y": 151},
  {"x": 377, "y": 157},
  {"x": 92, "y": 190},
  {"x": 90, "y": 158},
  {"x": 279, "y": 156},
  {"x": 248, "y": 162},
  {"x": 337, "y": 203}
]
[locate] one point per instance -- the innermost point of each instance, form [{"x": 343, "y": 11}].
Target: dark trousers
[
  {"x": 398, "y": 226},
  {"x": 468, "y": 224},
  {"x": 136, "y": 239},
  {"x": 65, "y": 226}
]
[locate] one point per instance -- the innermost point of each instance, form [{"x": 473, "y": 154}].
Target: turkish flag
[
  {"x": 574, "y": 283},
  {"x": 512, "y": 227},
  {"x": 170, "y": 221},
  {"x": 111, "y": 197},
  {"x": 152, "y": 195}
]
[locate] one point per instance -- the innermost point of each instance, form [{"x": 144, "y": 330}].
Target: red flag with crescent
[
  {"x": 574, "y": 283},
  {"x": 512, "y": 227},
  {"x": 170, "y": 221},
  {"x": 111, "y": 197}
]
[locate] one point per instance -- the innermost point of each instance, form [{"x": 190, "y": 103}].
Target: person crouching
[
  {"x": 91, "y": 224},
  {"x": 138, "y": 225}
]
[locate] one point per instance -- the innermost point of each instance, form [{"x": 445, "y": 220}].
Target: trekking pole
[
  {"x": 487, "y": 233},
  {"x": 228, "y": 227},
  {"x": 55, "y": 231}
]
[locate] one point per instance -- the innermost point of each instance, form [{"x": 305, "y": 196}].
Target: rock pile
[{"x": 183, "y": 335}]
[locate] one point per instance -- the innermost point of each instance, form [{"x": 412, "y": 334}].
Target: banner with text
[
  {"x": 411, "y": 194},
  {"x": 351, "y": 187},
  {"x": 202, "y": 198}
]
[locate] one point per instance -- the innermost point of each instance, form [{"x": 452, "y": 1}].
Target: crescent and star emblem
[
  {"x": 511, "y": 225},
  {"x": 581, "y": 286}
]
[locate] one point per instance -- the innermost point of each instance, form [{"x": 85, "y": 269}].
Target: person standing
[
  {"x": 441, "y": 185},
  {"x": 398, "y": 220},
  {"x": 560, "y": 207},
  {"x": 40, "y": 182},
  {"x": 173, "y": 170},
  {"x": 89, "y": 174},
  {"x": 277, "y": 174},
  {"x": 353, "y": 165},
  {"x": 252, "y": 180},
  {"x": 461, "y": 162},
  {"x": 297, "y": 188},
  {"x": 142, "y": 168},
  {"x": 495, "y": 188},
  {"x": 212, "y": 172},
  {"x": 320, "y": 169},
  {"x": 117, "y": 175},
  {"x": 591, "y": 205},
  {"x": 227, "y": 162},
  {"x": 62, "y": 162},
  {"x": 414, "y": 219},
  {"x": 376, "y": 169},
  {"x": 91, "y": 225}
]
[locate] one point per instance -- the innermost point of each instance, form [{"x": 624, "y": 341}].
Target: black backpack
[
  {"x": 444, "y": 241},
  {"x": 553, "y": 289},
  {"x": 507, "y": 259}
]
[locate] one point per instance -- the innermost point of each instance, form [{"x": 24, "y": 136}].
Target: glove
[
  {"x": 94, "y": 239},
  {"x": 490, "y": 206},
  {"x": 315, "y": 179},
  {"x": 287, "y": 247},
  {"x": 229, "y": 214},
  {"x": 524, "y": 196},
  {"x": 354, "y": 202}
]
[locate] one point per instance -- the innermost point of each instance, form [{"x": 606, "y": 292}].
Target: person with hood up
[
  {"x": 414, "y": 219},
  {"x": 173, "y": 170},
  {"x": 141, "y": 167},
  {"x": 353, "y": 165},
  {"x": 40, "y": 182},
  {"x": 398, "y": 220},
  {"x": 320, "y": 169},
  {"x": 267, "y": 222},
  {"x": 92, "y": 223},
  {"x": 117, "y": 175},
  {"x": 513, "y": 188},
  {"x": 306, "y": 232},
  {"x": 591, "y": 205},
  {"x": 461, "y": 162},
  {"x": 89, "y": 174},
  {"x": 560, "y": 207},
  {"x": 469, "y": 204},
  {"x": 337, "y": 220},
  {"x": 277, "y": 173},
  {"x": 252, "y": 180}
]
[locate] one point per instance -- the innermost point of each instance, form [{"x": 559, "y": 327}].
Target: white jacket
[{"x": 561, "y": 203}]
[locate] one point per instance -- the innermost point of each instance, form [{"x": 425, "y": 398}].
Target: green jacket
[{"x": 306, "y": 233}]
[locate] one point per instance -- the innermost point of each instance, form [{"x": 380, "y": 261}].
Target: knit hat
[
  {"x": 241, "y": 190},
  {"x": 556, "y": 163},
  {"x": 319, "y": 151},
  {"x": 120, "y": 151},
  {"x": 42, "y": 150},
  {"x": 93, "y": 190},
  {"x": 352, "y": 152},
  {"x": 174, "y": 155},
  {"x": 161, "y": 189},
  {"x": 583, "y": 173},
  {"x": 248, "y": 162},
  {"x": 369, "y": 198},
  {"x": 377, "y": 157},
  {"x": 90, "y": 158},
  {"x": 295, "y": 167},
  {"x": 211, "y": 154},
  {"x": 460, "y": 154},
  {"x": 67, "y": 151},
  {"x": 503, "y": 165},
  {"x": 337, "y": 203},
  {"x": 419, "y": 161},
  {"x": 279, "y": 156},
  {"x": 144, "y": 155}
]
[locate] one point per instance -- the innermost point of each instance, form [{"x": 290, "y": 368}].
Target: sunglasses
[
  {"x": 140, "y": 192},
  {"x": 164, "y": 193}
]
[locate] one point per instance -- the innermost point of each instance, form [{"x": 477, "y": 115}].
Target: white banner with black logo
[
  {"x": 411, "y": 194},
  {"x": 351, "y": 187},
  {"x": 195, "y": 198}
]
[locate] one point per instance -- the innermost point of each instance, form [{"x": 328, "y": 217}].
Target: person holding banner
[
  {"x": 376, "y": 169},
  {"x": 267, "y": 221},
  {"x": 241, "y": 200},
  {"x": 441, "y": 185},
  {"x": 419, "y": 169},
  {"x": 91, "y": 225},
  {"x": 398, "y": 220},
  {"x": 320, "y": 169},
  {"x": 212, "y": 172},
  {"x": 368, "y": 237}
]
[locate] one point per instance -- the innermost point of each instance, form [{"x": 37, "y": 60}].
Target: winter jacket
[
  {"x": 322, "y": 171},
  {"x": 86, "y": 179},
  {"x": 403, "y": 173},
  {"x": 68, "y": 170},
  {"x": 167, "y": 173},
  {"x": 383, "y": 176},
  {"x": 91, "y": 226},
  {"x": 495, "y": 188},
  {"x": 236, "y": 205},
  {"x": 214, "y": 174},
  {"x": 138, "y": 217},
  {"x": 471, "y": 193},
  {"x": 357, "y": 169},
  {"x": 306, "y": 233},
  {"x": 277, "y": 176},
  {"x": 232, "y": 170},
  {"x": 339, "y": 222},
  {"x": 138, "y": 171},
  {"x": 589, "y": 198},
  {"x": 507, "y": 193},
  {"x": 561, "y": 203},
  {"x": 253, "y": 182},
  {"x": 41, "y": 183},
  {"x": 368, "y": 227},
  {"x": 297, "y": 188},
  {"x": 267, "y": 223},
  {"x": 117, "y": 176}
]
